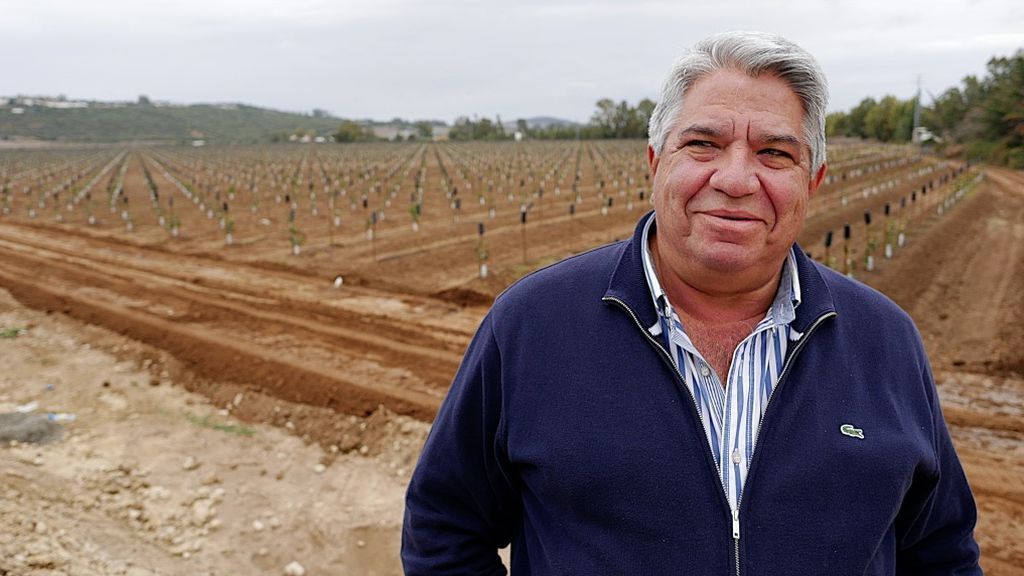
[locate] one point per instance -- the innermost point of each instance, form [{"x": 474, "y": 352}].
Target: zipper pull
[{"x": 736, "y": 524}]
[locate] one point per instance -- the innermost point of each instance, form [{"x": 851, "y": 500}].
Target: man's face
[{"x": 733, "y": 180}]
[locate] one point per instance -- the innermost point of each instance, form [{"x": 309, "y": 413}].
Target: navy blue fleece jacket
[{"x": 568, "y": 433}]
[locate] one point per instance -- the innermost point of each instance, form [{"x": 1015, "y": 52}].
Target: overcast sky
[{"x": 440, "y": 59}]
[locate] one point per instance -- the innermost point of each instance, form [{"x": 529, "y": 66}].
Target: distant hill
[{"x": 58, "y": 119}]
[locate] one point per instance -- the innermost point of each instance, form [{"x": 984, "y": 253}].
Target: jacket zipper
[{"x": 785, "y": 371}]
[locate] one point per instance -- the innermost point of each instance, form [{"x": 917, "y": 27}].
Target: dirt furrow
[
  {"x": 955, "y": 279},
  {"x": 270, "y": 310},
  {"x": 273, "y": 351},
  {"x": 417, "y": 330},
  {"x": 214, "y": 355}
]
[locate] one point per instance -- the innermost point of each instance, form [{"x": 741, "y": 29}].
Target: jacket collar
[{"x": 629, "y": 285}]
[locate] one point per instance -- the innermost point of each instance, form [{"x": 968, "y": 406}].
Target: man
[{"x": 703, "y": 398}]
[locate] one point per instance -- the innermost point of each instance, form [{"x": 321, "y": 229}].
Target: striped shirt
[{"x": 731, "y": 414}]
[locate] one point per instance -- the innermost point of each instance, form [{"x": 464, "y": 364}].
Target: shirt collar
[
  {"x": 658, "y": 295},
  {"x": 783, "y": 308}
]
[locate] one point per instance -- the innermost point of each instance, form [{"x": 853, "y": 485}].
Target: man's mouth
[{"x": 732, "y": 215}]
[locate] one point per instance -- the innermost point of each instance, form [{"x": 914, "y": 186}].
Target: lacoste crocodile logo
[{"x": 851, "y": 431}]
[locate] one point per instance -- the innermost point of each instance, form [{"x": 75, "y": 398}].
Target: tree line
[
  {"x": 983, "y": 119},
  {"x": 610, "y": 120}
]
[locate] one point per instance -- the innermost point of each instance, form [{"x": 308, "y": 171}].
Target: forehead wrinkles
[{"x": 722, "y": 128}]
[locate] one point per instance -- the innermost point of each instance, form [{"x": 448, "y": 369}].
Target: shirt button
[
  {"x": 735, "y": 456},
  {"x": 704, "y": 370}
]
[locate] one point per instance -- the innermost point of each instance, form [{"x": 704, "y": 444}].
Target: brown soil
[
  {"x": 152, "y": 479},
  {"x": 345, "y": 376}
]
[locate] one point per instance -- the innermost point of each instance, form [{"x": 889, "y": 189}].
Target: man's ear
[
  {"x": 652, "y": 160},
  {"x": 816, "y": 181}
]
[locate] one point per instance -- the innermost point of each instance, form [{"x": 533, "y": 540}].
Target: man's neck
[{"x": 720, "y": 313}]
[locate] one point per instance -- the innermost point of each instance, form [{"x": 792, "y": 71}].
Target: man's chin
[
  {"x": 727, "y": 257},
  {"x": 730, "y": 259}
]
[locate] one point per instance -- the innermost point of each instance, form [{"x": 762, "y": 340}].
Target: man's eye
[
  {"x": 777, "y": 153},
  {"x": 698, "y": 144}
]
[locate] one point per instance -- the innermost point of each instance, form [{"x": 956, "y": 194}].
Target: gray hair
[{"x": 752, "y": 53}]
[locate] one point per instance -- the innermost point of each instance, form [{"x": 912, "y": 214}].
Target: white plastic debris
[{"x": 61, "y": 416}]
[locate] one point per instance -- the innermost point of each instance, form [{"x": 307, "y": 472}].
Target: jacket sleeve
[
  {"x": 460, "y": 505},
  {"x": 939, "y": 514}
]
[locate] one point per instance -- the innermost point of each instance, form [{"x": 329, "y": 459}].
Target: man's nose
[{"x": 735, "y": 173}]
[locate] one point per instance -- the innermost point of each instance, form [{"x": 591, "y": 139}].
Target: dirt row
[
  {"x": 345, "y": 348},
  {"x": 960, "y": 278}
]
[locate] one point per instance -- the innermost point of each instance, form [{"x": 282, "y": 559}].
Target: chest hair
[{"x": 717, "y": 342}]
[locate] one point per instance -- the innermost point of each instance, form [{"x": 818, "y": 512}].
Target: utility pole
[{"x": 915, "y": 134}]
